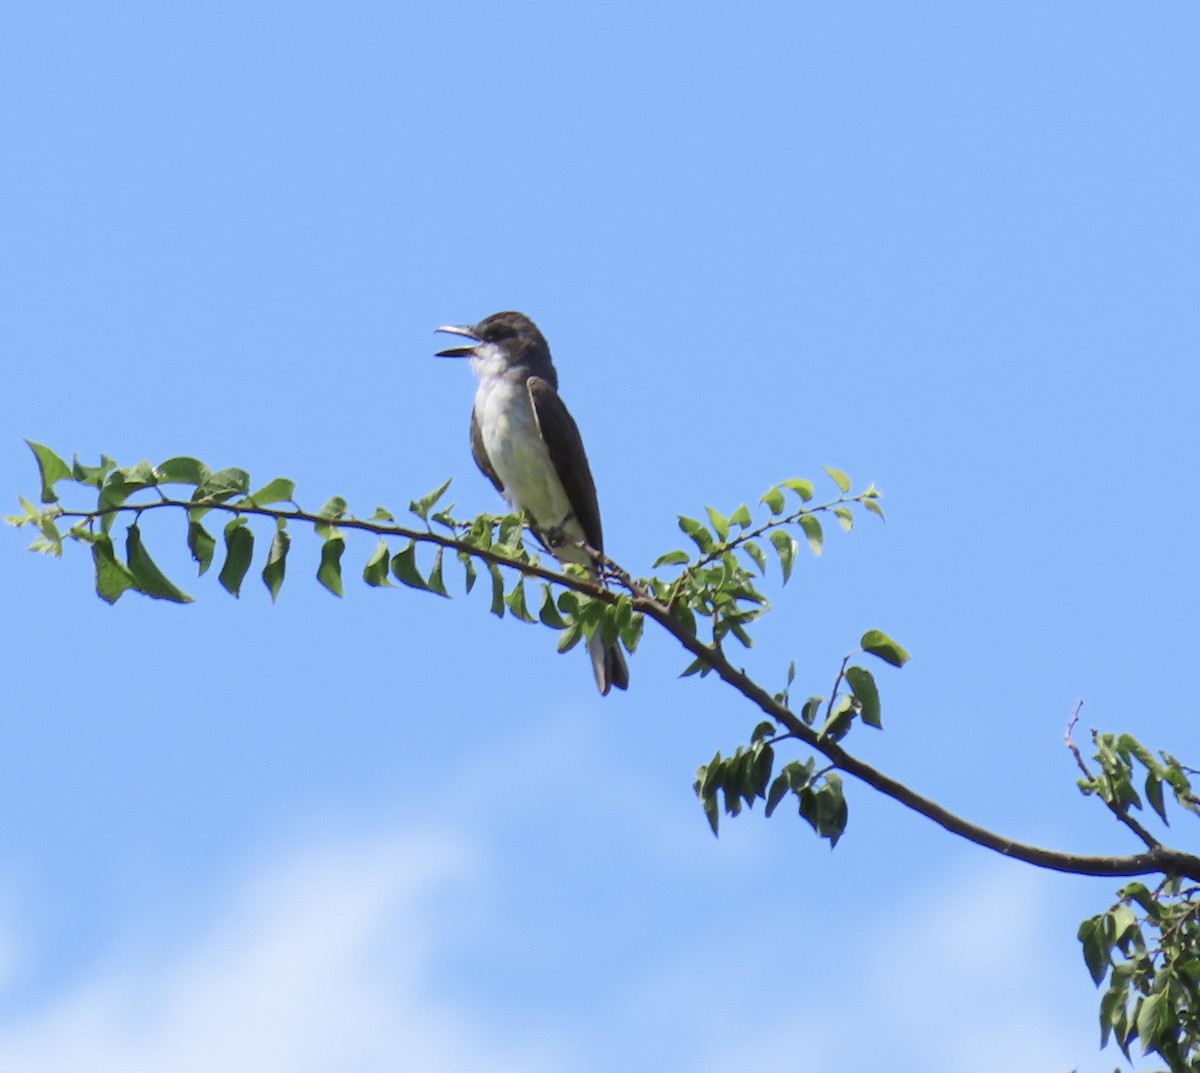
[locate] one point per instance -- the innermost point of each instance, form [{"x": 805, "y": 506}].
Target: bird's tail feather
[{"x": 608, "y": 664}]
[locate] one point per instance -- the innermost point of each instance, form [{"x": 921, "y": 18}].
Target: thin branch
[{"x": 1156, "y": 859}]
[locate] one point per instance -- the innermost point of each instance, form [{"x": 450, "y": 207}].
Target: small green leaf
[
  {"x": 672, "y": 558},
  {"x": 273, "y": 572},
  {"x": 421, "y": 507},
  {"x": 1154, "y": 794},
  {"x": 1095, "y": 948},
  {"x": 778, "y": 791},
  {"x": 404, "y": 567},
  {"x": 201, "y": 544},
  {"x": 1153, "y": 1019},
  {"x": 846, "y": 516},
  {"x": 382, "y": 515},
  {"x": 280, "y": 490},
  {"x": 515, "y": 602},
  {"x": 377, "y": 571},
  {"x": 146, "y": 574},
  {"x": 863, "y": 683},
  {"x": 52, "y": 469},
  {"x": 498, "y": 591},
  {"x": 549, "y": 613},
  {"x": 812, "y": 530},
  {"x": 223, "y": 485},
  {"x": 756, "y": 553},
  {"x": 334, "y": 508},
  {"x": 182, "y": 470},
  {"x": 880, "y": 644},
  {"x": 774, "y": 500},
  {"x": 786, "y": 547},
  {"x": 468, "y": 569},
  {"x": 93, "y": 476},
  {"x": 570, "y": 637},
  {"x": 802, "y": 488},
  {"x": 329, "y": 573},
  {"x": 112, "y": 576},
  {"x": 239, "y": 549},
  {"x": 873, "y": 506},
  {"x": 719, "y": 523},
  {"x": 741, "y": 517},
  {"x": 435, "y": 582},
  {"x": 839, "y": 478},
  {"x": 698, "y": 532},
  {"x": 811, "y": 707}
]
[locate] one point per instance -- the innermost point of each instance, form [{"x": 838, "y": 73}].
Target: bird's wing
[
  {"x": 562, "y": 438},
  {"x": 479, "y": 453}
]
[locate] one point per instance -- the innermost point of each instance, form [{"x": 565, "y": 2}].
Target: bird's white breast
[{"x": 518, "y": 454}]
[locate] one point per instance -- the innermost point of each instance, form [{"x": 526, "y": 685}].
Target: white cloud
[{"x": 318, "y": 964}]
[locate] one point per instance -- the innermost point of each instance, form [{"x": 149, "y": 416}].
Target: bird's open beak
[{"x": 465, "y": 330}]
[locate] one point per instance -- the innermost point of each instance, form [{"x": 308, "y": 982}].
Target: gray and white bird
[{"x": 529, "y": 447}]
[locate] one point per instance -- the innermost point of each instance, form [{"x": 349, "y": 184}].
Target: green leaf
[
  {"x": 329, "y": 573},
  {"x": 421, "y": 507},
  {"x": 112, "y": 576},
  {"x": 273, "y": 572},
  {"x": 468, "y": 563},
  {"x": 382, "y": 515},
  {"x": 334, "y": 508},
  {"x": 93, "y": 476},
  {"x": 515, "y": 601},
  {"x": 741, "y": 517},
  {"x": 802, "y": 488},
  {"x": 570, "y": 637},
  {"x": 838, "y": 723},
  {"x": 880, "y": 644},
  {"x": 146, "y": 574},
  {"x": 786, "y": 547},
  {"x": 435, "y": 582},
  {"x": 498, "y": 591},
  {"x": 672, "y": 558},
  {"x": 846, "y": 516},
  {"x": 698, "y": 532},
  {"x": 756, "y": 553},
  {"x": 52, "y": 469},
  {"x": 182, "y": 470},
  {"x": 839, "y": 478},
  {"x": 1095, "y": 948},
  {"x": 812, "y": 530},
  {"x": 239, "y": 549},
  {"x": 1153, "y": 1019},
  {"x": 201, "y": 544},
  {"x": 719, "y": 523},
  {"x": 1154, "y": 794},
  {"x": 873, "y": 506},
  {"x": 223, "y": 485},
  {"x": 280, "y": 490},
  {"x": 774, "y": 500},
  {"x": 863, "y": 683},
  {"x": 549, "y": 613},
  {"x": 811, "y": 707},
  {"x": 404, "y": 567},
  {"x": 778, "y": 791},
  {"x": 376, "y": 572}
]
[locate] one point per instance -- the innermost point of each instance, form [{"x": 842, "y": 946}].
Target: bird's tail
[{"x": 608, "y": 664}]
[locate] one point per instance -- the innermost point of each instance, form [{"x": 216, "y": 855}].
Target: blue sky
[{"x": 948, "y": 248}]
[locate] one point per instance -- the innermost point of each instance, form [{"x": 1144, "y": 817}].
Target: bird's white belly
[{"x": 518, "y": 454}]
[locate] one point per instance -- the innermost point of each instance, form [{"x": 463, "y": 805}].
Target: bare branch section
[{"x": 659, "y": 602}]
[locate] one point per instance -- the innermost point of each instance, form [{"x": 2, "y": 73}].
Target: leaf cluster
[
  {"x": 728, "y": 783},
  {"x": 1148, "y": 947}
]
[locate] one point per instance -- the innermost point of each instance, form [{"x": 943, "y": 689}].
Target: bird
[{"x": 527, "y": 444}]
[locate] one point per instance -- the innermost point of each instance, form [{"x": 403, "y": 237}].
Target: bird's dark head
[{"x": 501, "y": 342}]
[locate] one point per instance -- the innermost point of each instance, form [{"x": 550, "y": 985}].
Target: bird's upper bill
[{"x": 465, "y": 330}]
